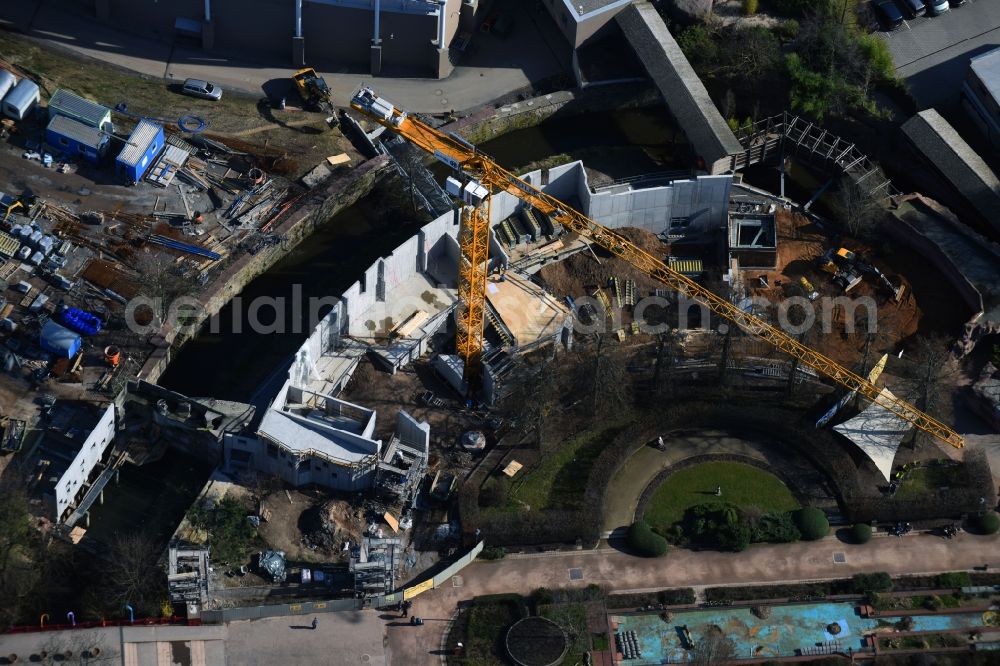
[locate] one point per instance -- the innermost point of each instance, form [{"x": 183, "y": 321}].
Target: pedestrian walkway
[
  {"x": 496, "y": 68},
  {"x": 616, "y": 571}
]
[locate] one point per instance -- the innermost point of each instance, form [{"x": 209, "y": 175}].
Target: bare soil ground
[
  {"x": 581, "y": 273},
  {"x": 387, "y": 394},
  {"x": 800, "y": 244},
  {"x": 297, "y": 515},
  {"x": 301, "y": 135}
]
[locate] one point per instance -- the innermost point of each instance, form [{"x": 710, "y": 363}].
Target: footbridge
[{"x": 793, "y": 136}]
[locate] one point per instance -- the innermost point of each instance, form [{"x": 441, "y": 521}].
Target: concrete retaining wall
[{"x": 336, "y": 194}]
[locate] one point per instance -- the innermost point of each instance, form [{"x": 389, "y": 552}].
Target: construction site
[{"x": 532, "y": 368}]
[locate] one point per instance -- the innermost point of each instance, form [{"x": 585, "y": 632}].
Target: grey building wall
[
  {"x": 335, "y": 36},
  {"x": 271, "y": 459},
  {"x": 579, "y": 28},
  {"x": 682, "y": 90}
]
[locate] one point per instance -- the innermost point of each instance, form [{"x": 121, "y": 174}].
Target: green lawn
[
  {"x": 560, "y": 477},
  {"x": 926, "y": 479},
  {"x": 485, "y": 626},
  {"x": 742, "y": 485}
]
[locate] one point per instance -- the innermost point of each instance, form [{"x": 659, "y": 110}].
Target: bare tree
[
  {"x": 607, "y": 379},
  {"x": 17, "y": 570},
  {"x": 160, "y": 281},
  {"x": 668, "y": 351},
  {"x": 713, "y": 648},
  {"x": 858, "y": 208},
  {"x": 534, "y": 397},
  {"x": 930, "y": 372},
  {"x": 133, "y": 575}
]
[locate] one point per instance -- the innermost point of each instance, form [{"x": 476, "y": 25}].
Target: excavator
[
  {"x": 482, "y": 177},
  {"x": 313, "y": 90}
]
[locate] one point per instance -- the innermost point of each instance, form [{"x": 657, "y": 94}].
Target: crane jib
[{"x": 495, "y": 178}]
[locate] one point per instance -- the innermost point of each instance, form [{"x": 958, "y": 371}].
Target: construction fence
[
  {"x": 277, "y": 610},
  {"x": 442, "y": 577},
  {"x": 335, "y": 605}
]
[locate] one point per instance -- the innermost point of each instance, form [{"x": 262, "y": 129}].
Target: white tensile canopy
[{"x": 877, "y": 432}]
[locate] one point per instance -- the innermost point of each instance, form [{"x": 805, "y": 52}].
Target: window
[
  {"x": 333, "y": 475},
  {"x": 63, "y": 141},
  {"x": 82, "y": 149}
]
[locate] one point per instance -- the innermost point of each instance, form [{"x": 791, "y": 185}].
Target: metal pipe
[
  {"x": 298, "y": 18},
  {"x": 208, "y": 11},
  {"x": 376, "y": 39},
  {"x": 442, "y": 21}
]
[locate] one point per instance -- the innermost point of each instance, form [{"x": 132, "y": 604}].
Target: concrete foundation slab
[{"x": 528, "y": 311}]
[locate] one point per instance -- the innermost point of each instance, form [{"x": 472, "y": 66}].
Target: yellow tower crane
[{"x": 487, "y": 177}]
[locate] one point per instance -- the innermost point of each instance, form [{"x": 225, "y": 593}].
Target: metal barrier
[
  {"x": 431, "y": 583},
  {"x": 277, "y": 610}
]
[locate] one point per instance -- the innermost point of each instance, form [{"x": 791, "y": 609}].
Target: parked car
[
  {"x": 913, "y": 8},
  {"x": 203, "y": 89},
  {"x": 937, "y": 7},
  {"x": 957, "y": 3},
  {"x": 888, "y": 14}
]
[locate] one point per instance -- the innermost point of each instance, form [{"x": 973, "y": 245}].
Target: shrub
[
  {"x": 933, "y": 603},
  {"x": 717, "y": 526},
  {"x": 987, "y": 523},
  {"x": 876, "y": 52},
  {"x": 749, "y": 7},
  {"x": 812, "y": 523},
  {"x": 644, "y": 541},
  {"x": 954, "y": 579},
  {"x": 774, "y": 528},
  {"x": 873, "y": 582},
  {"x": 493, "y": 553},
  {"x": 788, "y": 30},
  {"x": 861, "y": 533}
]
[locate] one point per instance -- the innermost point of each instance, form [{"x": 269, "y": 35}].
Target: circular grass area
[
  {"x": 536, "y": 641},
  {"x": 743, "y": 485}
]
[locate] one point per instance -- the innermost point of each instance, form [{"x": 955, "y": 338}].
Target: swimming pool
[{"x": 789, "y": 630}]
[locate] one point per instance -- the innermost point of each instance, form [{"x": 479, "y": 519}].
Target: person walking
[{"x": 314, "y": 623}]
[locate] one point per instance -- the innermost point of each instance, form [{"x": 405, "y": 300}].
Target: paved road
[
  {"x": 339, "y": 638},
  {"x": 681, "y": 568},
  {"x": 643, "y": 466},
  {"x": 532, "y": 52},
  {"x": 932, "y": 53}
]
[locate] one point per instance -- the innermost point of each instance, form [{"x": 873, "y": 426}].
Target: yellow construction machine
[{"x": 313, "y": 90}]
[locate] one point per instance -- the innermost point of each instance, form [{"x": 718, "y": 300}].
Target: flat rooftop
[
  {"x": 580, "y": 8},
  {"x": 528, "y": 311},
  {"x": 987, "y": 68}
]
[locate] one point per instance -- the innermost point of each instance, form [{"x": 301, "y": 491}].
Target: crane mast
[{"x": 474, "y": 241}]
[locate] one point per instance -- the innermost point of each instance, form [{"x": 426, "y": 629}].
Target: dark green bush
[
  {"x": 871, "y": 582},
  {"x": 774, "y": 528},
  {"x": 716, "y": 525},
  {"x": 954, "y": 579},
  {"x": 812, "y": 523},
  {"x": 644, "y": 541},
  {"x": 493, "y": 553},
  {"x": 986, "y": 523},
  {"x": 861, "y": 533}
]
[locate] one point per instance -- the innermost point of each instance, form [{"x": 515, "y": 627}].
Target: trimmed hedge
[
  {"x": 812, "y": 523},
  {"x": 986, "y": 523},
  {"x": 644, "y": 541},
  {"x": 681, "y": 596},
  {"x": 861, "y": 533},
  {"x": 863, "y": 583}
]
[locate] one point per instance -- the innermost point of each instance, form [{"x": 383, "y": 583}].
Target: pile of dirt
[
  {"x": 581, "y": 273},
  {"x": 330, "y": 525}
]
